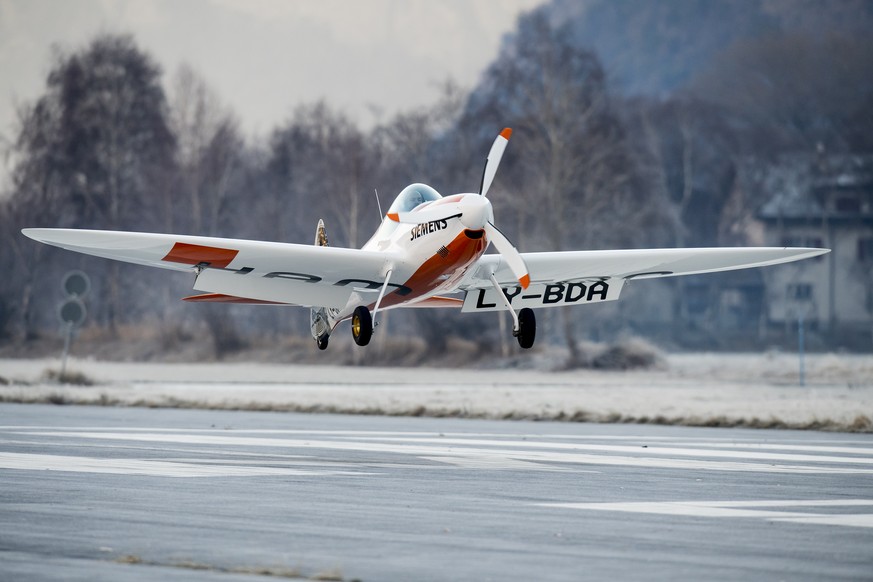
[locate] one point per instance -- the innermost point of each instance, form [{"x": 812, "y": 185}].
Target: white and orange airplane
[{"x": 428, "y": 252}]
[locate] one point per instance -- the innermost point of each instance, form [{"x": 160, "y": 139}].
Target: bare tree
[
  {"x": 319, "y": 168},
  {"x": 576, "y": 178},
  {"x": 801, "y": 90},
  {"x": 209, "y": 150},
  {"x": 97, "y": 142},
  {"x": 210, "y": 159}
]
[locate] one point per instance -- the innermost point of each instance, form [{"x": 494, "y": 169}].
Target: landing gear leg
[
  {"x": 381, "y": 295},
  {"x": 524, "y": 324},
  {"x": 319, "y": 326},
  {"x": 362, "y": 325}
]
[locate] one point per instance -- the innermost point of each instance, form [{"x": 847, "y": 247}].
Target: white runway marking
[
  {"x": 474, "y": 451},
  {"x": 652, "y": 449},
  {"x": 742, "y": 509},
  {"x": 34, "y": 462}
]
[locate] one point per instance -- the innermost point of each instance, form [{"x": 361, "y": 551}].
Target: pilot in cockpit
[{"x": 415, "y": 199}]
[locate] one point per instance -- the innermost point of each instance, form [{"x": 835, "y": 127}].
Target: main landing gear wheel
[
  {"x": 362, "y": 325},
  {"x": 322, "y": 342},
  {"x": 527, "y": 328}
]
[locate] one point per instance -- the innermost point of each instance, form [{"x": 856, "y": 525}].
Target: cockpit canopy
[
  {"x": 412, "y": 196},
  {"x": 409, "y": 198}
]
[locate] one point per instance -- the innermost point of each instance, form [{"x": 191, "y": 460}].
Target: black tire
[
  {"x": 527, "y": 328},
  {"x": 362, "y": 325},
  {"x": 322, "y": 342}
]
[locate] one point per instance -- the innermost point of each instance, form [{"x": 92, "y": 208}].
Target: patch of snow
[{"x": 691, "y": 388}]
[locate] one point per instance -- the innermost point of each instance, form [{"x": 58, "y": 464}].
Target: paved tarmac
[{"x": 89, "y": 493}]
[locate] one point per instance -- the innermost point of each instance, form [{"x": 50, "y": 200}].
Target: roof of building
[{"x": 802, "y": 186}]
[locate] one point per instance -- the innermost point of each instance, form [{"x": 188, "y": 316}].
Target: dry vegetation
[
  {"x": 860, "y": 423},
  {"x": 331, "y": 575},
  {"x": 154, "y": 344},
  {"x": 630, "y": 381}
]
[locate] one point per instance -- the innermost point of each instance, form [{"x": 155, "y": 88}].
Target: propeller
[
  {"x": 509, "y": 253},
  {"x": 475, "y": 212},
  {"x": 493, "y": 160}
]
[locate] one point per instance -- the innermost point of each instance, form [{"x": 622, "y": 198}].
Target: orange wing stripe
[
  {"x": 222, "y": 298},
  {"x": 189, "y": 254},
  {"x": 506, "y": 133}
]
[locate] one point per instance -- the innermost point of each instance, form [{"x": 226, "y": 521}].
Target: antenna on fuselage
[{"x": 379, "y": 204}]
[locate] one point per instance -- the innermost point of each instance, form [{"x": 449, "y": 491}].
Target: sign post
[
  {"x": 72, "y": 310},
  {"x": 801, "y": 349}
]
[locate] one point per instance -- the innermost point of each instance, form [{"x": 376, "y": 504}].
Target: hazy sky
[{"x": 263, "y": 57}]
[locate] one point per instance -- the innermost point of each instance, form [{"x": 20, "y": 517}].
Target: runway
[{"x": 90, "y": 493}]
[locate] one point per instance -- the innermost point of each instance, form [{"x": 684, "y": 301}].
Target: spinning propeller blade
[
  {"x": 493, "y": 160},
  {"x": 509, "y": 253},
  {"x": 506, "y": 249}
]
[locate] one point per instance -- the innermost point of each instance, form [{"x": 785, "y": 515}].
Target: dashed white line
[
  {"x": 741, "y": 509},
  {"x": 37, "y": 462},
  {"x": 490, "y": 453}
]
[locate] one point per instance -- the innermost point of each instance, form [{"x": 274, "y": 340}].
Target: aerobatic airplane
[{"x": 428, "y": 252}]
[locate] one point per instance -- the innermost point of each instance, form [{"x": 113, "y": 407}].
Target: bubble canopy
[{"x": 412, "y": 196}]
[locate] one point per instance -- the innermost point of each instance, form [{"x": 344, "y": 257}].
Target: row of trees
[{"x": 111, "y": 144}]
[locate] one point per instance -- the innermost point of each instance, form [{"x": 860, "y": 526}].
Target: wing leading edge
[
  {"x": 255, "y": 270},
  {"x": 568, "y": 266}
]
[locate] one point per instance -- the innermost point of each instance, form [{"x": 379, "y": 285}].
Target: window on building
[
  {"x": 799, "y": 292},
  {"x": 865, "y": 250},
  {"x": 741, "y": 306},
  {"x": 696, "y": 297},
  {"x": 848, "y": 204}
]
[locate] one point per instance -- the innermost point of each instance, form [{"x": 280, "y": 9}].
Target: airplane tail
[{"x": 321, "y": 235}]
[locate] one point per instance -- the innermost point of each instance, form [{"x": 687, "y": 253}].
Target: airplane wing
[
  {"x": 255, "y": 270},
  {"x": 571, "y": 277}
]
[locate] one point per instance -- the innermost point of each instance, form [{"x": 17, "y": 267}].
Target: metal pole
[
  {"x": 67, "y": 338},
  {"x": 800, "y": 349}
]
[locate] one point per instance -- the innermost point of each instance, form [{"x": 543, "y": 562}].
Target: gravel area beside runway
[{"x": 754, "y": 390}]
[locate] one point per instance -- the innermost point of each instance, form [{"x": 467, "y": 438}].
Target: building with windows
[
  {"x": 803, "y": 201},
  {"x": 820, "y": 201}
]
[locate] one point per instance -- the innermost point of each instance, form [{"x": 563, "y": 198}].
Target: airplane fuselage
[{"x": 432, "y": 257}]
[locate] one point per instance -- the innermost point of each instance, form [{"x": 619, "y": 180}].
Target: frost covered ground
[{"x": 759, "y": 390}]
